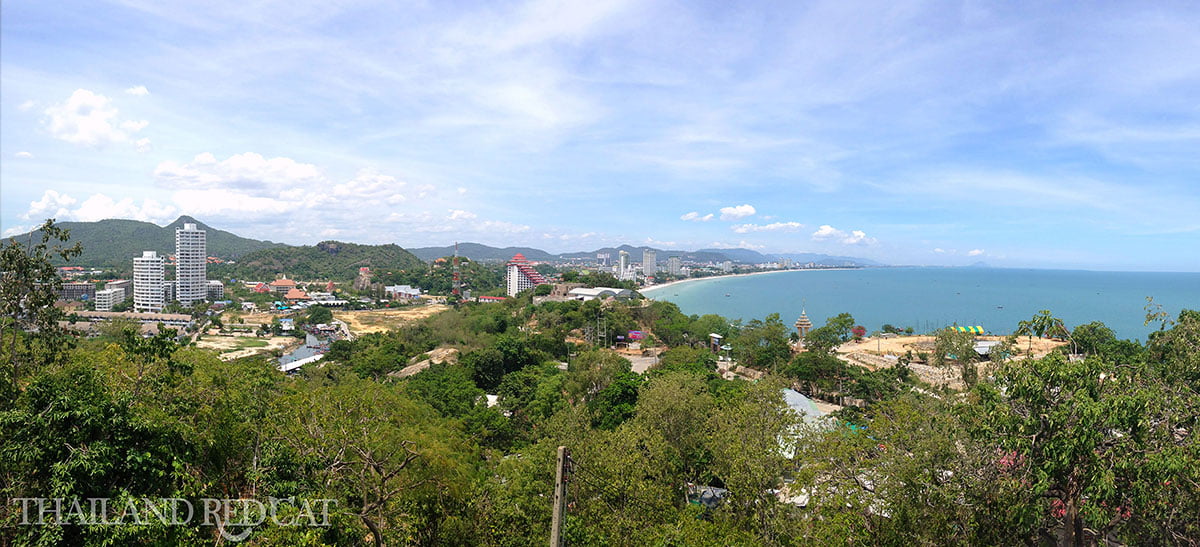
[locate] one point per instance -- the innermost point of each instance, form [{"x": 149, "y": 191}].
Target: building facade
[
  {"x": 148, "y": 283},
  {"x": 649, "y": 263},
  {"x": 126, "y": 284},
  {"x": 214, "y": 290},
  {"x": 107, "y": 298},
  {"x": 520, "y": 275},
  {"x": 674, "y": 266},
  {"x": 191, "y": 261},
  {"x": 77, "y": 291}
]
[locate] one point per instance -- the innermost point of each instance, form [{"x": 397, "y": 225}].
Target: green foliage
[
  {"x": 333, "y": 260},
  {"x": 319, "y": 314},
  {"x": 763, "y": 345},
  {"x": 113, "y": 243},
  {"x": 835, "y": 332},
  {"x": 447, "y": 388}
]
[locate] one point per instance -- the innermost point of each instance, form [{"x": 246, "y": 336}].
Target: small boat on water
[{"x": 726, "y": 294}]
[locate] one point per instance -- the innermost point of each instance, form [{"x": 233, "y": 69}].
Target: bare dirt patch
[{"x": 368, "y": 321}]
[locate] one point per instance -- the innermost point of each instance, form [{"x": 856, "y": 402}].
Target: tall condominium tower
[
  {"x": 622, "y": 261},
  {"x": 649, "y": 263},
  {"x": 148, "y": 283},
  {"x": 191, "y": 261},
  {"x": 520, "y": 275}
]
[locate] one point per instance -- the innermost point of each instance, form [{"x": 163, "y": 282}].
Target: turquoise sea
[{"x": 930, "y": 298}]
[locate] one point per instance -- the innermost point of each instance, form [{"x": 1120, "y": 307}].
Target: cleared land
[
  {"x": 368, "y": 321},
  {"x": 236, "y": 347},
  {"x": 876, "y": 353}
]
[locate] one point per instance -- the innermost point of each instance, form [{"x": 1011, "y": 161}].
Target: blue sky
[{"x": 1020, "y": 134}]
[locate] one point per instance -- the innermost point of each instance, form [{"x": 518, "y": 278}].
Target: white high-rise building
[
  {"x": 623, "y": 261},
  {"x": 148, "y": 283},
  {"x": 674, "y": 266},
  {"x": 107, "y": 298},
  {"x": 649, "y": 263},
  {"x": 520, "y": 275},
  {"x": 191, "y": 263}
]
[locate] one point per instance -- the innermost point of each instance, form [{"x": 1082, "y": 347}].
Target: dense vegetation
[
  {"x": 113, "y": 243},
  {"x": 1052, "y": 450},
  {"x": 331, "y": 260}
]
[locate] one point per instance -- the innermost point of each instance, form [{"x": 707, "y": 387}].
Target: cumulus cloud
[
  {"x": 51, "y": 205},
  {"x": 975, "y": 252},
  {"x": 27, "y": 105},
  {"x": 773, "y": 227},
  {"x": 139, "y": 90},
  {"x": 249, "y": 173},
  {"x": 696, "y": 217},
  {"x": 16, "y": 230},
  {"x": 23, "y": 155},
  {"x": 458, "y": 214},
  {"x": 939, "y": 250},
  {"x": 854, "y": 237},
  {"x": 737, "y": 212},
  {"x": 142, "y": 145},
  {"x": 372, "y": 185},
  {"x": 97, "y": 207},
  {"x": 89, "y": 119}
]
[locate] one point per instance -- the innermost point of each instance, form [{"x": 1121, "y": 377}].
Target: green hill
[
  {"x": 113, "y": 243},
  {"x": 326, "y": 260}
]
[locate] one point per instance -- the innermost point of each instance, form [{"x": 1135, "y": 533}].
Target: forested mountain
[
  {"x": 113, "y": 243},
  {"x": 478, "y": 251},
  {"x": 326, "y": 260}
]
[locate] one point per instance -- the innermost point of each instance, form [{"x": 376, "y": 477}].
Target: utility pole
[{"x": 560, "y": 499}]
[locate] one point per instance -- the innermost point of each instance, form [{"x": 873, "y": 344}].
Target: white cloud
[
  {"x": 743, "y": 244},
  {"x": 249, "y": 173},
  {"x": 139, "y": 90},
  {"x": 458, "y": 214},
  {"x": 142, "y": 145},
  {"x": 696, "y": 217},
  {"x": 855, "y": 237},
  {"x": 85, "y": 118},
  {"x": 100, "y": 207},
  {"x": 133, "y": 126},
  {"x": 773, "y": 227},
  {"x": 737, "y": 212},
  {"x": 27, "y": 105},
  {"x": 461, "y": 191},
  {"x": 97, "y": 207},
  {"x": 16, "y": 230},
  {"x": 51, "y": 205},
  {"x": 975, "y": 252},
  {"x": 23, "y": 154},
  {"x": 369, "y": 184},
  {"x": 939, "y": 250}
]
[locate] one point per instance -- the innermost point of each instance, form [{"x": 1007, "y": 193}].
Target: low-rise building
[
  {"x": 126, "y": 284},
  {"x": 215, "y": 290},
  {"x": 107, "y": 298},
  {"x": 283, "y": 285},
  {"x": 77, "y": 291},
  {"x": 402, "y": 292},
  {"x": 585, "y": 293}
]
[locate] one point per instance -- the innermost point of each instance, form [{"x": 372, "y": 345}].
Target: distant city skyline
[{"x": 1019, "y": 134}]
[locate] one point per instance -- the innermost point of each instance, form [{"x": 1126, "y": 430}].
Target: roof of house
[
  {"x": 296, "y": 294},
  {"x": 285, "y": 282}
]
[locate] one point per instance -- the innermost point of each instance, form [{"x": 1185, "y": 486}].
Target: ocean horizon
[{"x": 929, "y": 298}]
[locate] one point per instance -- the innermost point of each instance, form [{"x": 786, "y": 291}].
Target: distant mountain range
[
  {"x": 477, "y": 251},
  {"x": 113, "y": 243}
]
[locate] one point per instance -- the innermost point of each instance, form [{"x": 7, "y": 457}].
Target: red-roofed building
[
  {"x": 282, "y": 286},
  {"x": 520, "y": 275},
  {"x": 262, "y": 288},
  {"x": 296, "y": 294}
]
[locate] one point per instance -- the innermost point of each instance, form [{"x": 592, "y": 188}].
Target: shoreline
[{"x": 645, "y": 290}]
